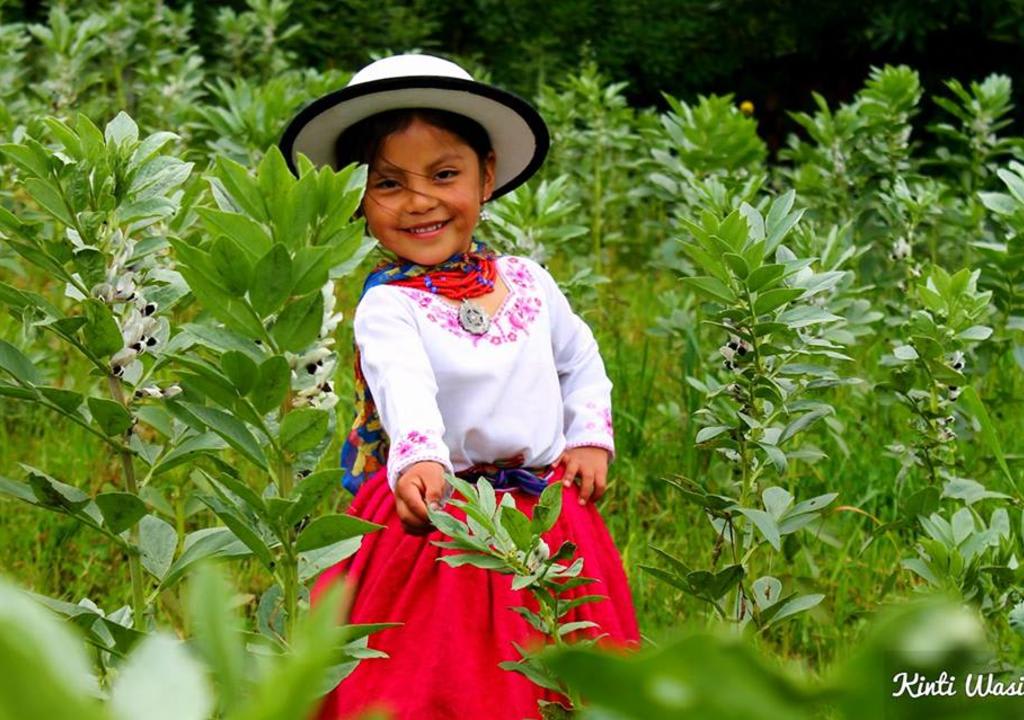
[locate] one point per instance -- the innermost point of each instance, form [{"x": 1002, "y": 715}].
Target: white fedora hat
[{"x": 518, "y": 134}]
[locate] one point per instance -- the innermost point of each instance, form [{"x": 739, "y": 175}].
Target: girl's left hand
[{"x": 591, "y": 464}]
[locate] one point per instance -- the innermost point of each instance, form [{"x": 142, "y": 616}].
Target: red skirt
[{"x": 443, "y": 662}]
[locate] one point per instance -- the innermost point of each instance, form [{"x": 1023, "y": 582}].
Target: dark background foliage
[{"x": 771, "y": 52}]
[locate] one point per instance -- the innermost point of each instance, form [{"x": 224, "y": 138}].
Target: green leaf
[
  {"x": 712, "y": 586},
  {"x": 161, "y": 681},
  {"x": 311, "y": 491},
  {"x": 218, "y": 632},
  {"x": 905, "y": 352},
  {"x": 93, "y": 144},
  {"x": 765, "y": 523},
  {"x": 803, "y": 422},
  {"x": 804, "y": 315},
  {"x": 775, "y": 298},
  {"x": 780, "y": 220},
  {"x": 205, "y": 443},
  {"x": 711, "y": 287},
  {"x": 571, "y": 627},
  {"x": 244, "y": 527},
  {"x": 271, "y": 280},
  {"x": 237, "y": 493},
  {"x": 303, "y": 429},
  {"x": 112, "y": 417},
  {"x": 764, "y": 276},
  {"x": 330, "y": 529},
  {"x": 46, "y": 671},
  {"x": 54, "y": 494},
  {"x": 272, "y": 383},
  {"x": 485, "y": 562},
  {"x": 30, "y": 156},
  {"x": 788, "y": 608},
  {"x": 120, "y": 510},
  {"x": 970, "y": 491},
  {"x": 447, "y": 524},
  {"x": 231, "y": 265},
  {"x": 311, "y": 269},
  {"x": 547, "y": 509},
  {"x": 232, "y": 430},
  {"x": 248, "y": 234},
  {"x": 707, "y": 262},
  {"x": 969, "y": 397},
  {"x": 531, "y": 617},
  {"x": 18, "y": 490},
  {"x": 737, "y": 264},
  {"x": 241, "y": 187},
  {"x": 13, "y": 361},
  {"x": 275, "y": 182},
  {"x": 518, "y": 527},
  {"x": 47, "y": 196},
  {"x": 766, "y": 591},
  {"x": 975, "y": 333},
  {"x": 298, "y": 325},
  {"x": 314, "y": 562},
  {"x": 206, "y": 382},
  {"x": 101, "y": 333},
  {"x": 240, "y": 369},
  {"x": 217, "y": 542},
  {"x": 706, "y": 434},
  {"x": 122, "y": 129},
  {"x": 734, "y": 230},
  {"x": 197, "y": 270},
  {"x": 775, "y": 455},
  {"x": 776, "y": 501},
  {"x": 157, "y": 542},
  {"x": 813, "y": 504}
]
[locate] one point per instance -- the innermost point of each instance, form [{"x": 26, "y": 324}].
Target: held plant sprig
[{"x": 498, "y": 536}]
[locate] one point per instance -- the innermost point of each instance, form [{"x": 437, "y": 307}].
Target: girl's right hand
[{"x": 419, "y": 486}]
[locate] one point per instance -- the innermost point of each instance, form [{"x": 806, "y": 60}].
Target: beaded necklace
[{"x": 473, "y": 279}]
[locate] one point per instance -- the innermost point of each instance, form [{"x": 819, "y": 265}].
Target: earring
[{"x": 485, "y": 215}]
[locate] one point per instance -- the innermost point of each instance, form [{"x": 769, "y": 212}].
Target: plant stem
[
  {"x": 134, "y": 562},
  {"x": 289, "y": 576}
]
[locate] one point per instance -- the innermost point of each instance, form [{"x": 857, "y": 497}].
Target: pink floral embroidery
[
  {"x": 517, "y": 273},
  {"x": 412, "y": 442},
  {"x": 513, "y": 318},
  {"x": 605, "y": 414}
]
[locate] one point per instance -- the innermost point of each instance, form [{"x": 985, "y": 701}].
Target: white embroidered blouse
[{"x": 531, "y": 386}]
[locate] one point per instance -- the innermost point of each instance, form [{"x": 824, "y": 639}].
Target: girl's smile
[{"x": 424, "y": 193}]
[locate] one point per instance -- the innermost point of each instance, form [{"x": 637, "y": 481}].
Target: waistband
[{"x": 529, "y": 480}]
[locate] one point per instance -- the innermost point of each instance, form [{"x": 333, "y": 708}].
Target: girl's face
[{"x": 424, "y": 192}]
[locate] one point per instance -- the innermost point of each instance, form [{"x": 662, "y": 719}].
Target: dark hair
[{"x": 361, "y": 142}]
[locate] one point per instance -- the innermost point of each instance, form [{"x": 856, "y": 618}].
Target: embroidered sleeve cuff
[
  {"x": 413, "y": 447},
  {"x": 591, "y": 425}
]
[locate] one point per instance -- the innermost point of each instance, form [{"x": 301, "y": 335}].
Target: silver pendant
[{"x": 472, "y": 318}]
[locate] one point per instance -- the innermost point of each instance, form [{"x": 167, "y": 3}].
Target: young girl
[{"x": 468, "y": 363}]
